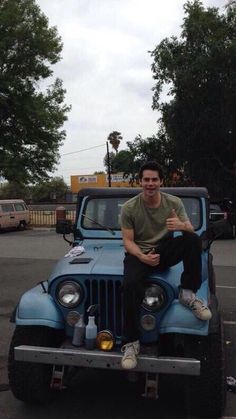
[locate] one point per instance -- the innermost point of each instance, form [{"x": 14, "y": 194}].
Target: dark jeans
[{"x": 186, "y": 248}]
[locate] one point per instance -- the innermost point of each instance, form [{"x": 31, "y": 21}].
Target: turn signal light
[{"x": 105, "y": 340}]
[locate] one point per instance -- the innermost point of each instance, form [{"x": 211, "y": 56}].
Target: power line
[
  {"x": 70, "y": 170},
  {"x": 4, "y": 164},
  {"x": 85, "y": 149}
]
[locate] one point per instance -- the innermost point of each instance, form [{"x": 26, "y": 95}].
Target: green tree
[
  {"x": 199, "y": 70},
  {"x": 52, "y": 190},
  {"x": 111, "y": 158},
  {"x": 12, "y": 190},
  {"x": 158, "y": 147},
  {"x": 122, "y": 162},
  {"x": 31, "y": 118}
]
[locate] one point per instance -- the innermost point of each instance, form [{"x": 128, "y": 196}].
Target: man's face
[{"x": 150, "y": 182}]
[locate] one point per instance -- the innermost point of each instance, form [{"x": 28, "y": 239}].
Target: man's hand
[
  {"x": 174, "y": 223},
  {"x": 152, "y": 258}
]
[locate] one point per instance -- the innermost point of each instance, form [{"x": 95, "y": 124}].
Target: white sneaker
[
  {"x": 199, "y": 309},
  {"x": 129, "y": 359}
]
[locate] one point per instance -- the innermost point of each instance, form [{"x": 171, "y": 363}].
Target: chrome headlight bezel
[
  {"x": 155, "y": 298},
  {"x": 69, "y": 288}
]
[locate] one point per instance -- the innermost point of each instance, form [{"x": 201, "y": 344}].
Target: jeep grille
[{"x": 107, "y": 294}]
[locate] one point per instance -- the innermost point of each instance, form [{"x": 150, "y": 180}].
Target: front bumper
[{"x": 105, "y": 360}]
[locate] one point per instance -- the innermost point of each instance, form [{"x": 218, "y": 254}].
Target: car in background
[
  {"x": 13, "y": 214},
  {"x": 223, "y": 210}
]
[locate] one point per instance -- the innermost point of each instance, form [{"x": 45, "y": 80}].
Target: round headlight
[
  {"x": 72, "y": 318},
  {"x": 69, "y": 294},
  {"x": 148, "y": 322},
  {"x": 155, "y": 298}
]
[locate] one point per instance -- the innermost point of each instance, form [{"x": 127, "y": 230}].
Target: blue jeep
[{"x": 173, "y": 341}]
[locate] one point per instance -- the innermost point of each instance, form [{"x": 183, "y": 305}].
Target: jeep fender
[
  {"x": 179, "y": 319},
  {"x": 37, "y": 308}
]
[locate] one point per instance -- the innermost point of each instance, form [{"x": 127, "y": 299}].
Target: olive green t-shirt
[{"x": 149, "y": 224}]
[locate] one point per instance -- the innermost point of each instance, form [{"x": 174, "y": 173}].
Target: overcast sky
[{"x": 106, "y": 70}]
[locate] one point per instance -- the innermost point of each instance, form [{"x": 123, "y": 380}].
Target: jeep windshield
[{"x": 101, "y": 213}]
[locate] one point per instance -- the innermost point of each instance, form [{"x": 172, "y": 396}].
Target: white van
[{"x": 14, "y": 214}]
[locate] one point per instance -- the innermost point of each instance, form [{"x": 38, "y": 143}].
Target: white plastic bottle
[{"x": 91, "y": 333}]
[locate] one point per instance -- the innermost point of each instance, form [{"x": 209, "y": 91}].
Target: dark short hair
[{"x": 151, "y": 165}]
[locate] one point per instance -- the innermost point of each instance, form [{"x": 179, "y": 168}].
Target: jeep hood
[
  {"x": 98, "y": 259},
  {"x": 106, "y": 258}
]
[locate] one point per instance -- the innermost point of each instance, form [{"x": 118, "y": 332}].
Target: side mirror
[{"x": 64, "y": 227}]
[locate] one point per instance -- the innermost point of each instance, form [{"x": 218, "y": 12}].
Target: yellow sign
[{"x": 98, "y": 181}]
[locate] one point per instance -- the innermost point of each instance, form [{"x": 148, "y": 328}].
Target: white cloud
[{"x": 106, "y": 70}]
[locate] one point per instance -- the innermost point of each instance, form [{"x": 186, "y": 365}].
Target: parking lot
[{"x": 26, "y": 258}]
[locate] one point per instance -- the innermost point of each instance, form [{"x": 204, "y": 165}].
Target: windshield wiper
[{"x": 100, "y": 225}]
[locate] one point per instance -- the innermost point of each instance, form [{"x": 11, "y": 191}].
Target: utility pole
[{"x": 108, "y": 166}]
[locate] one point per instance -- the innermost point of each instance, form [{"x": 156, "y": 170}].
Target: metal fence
[{"x": 47, "y": 218}]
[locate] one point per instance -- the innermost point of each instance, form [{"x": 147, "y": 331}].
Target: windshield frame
[{"x": 96, "y": 231}]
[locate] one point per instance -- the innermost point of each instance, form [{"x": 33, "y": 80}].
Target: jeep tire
[
  {"x": 30, "y": 382},
  {"x": 206, "y": 394},
  {"x": 211, "y": 275}
]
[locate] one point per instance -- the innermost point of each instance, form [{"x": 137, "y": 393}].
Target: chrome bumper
[{"x": 106, "y": 360}]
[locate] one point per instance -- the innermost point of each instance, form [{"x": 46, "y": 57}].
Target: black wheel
[
  {"x": 233, "y": 231},
  {"x": 206, "y": 394},
  {"x": 211, "y": 274},
  {"x": 22, "y": 225},
  {"x": 30, "y": 382}
]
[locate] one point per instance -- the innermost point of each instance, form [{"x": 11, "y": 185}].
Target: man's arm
[
  {"x": 175, "y": 224},
  {"x": 187, "y": 226},
  {"x": 132, "y": 248}
]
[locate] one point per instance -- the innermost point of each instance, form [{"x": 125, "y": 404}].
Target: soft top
[{"x": 129, "y": 192}]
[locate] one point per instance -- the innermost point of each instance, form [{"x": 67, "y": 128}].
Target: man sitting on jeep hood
[{"x": 148, "y": 221}]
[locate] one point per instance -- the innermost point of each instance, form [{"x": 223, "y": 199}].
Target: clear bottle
[
  {"x": 91, "y": 329},
  {"x": 79, "y": 332}
]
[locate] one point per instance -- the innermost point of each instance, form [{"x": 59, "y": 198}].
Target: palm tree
[{"x": 114, "y": 139}]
